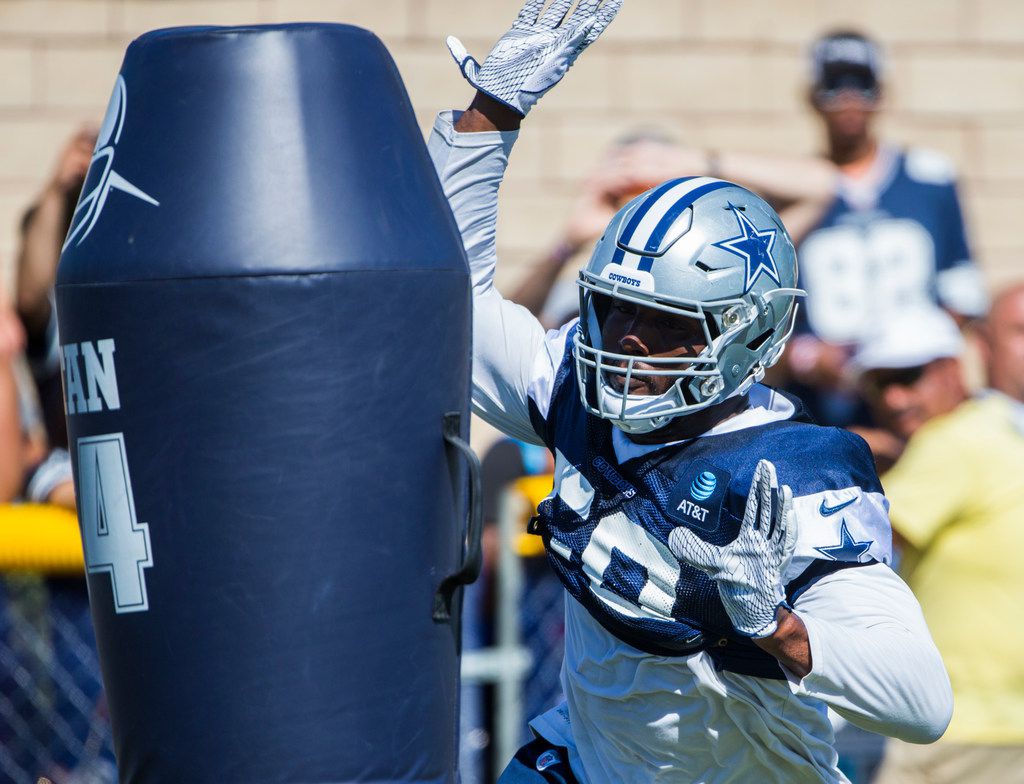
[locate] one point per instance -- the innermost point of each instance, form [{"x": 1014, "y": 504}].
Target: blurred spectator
[
  {"x": 53, "y": 715},
  {"x": 28, "y": 471},
  {"x": 909, "y": 372},
  {"x": 956, "y": 493},
  {"x": 56, "y": 719},
  {"x": 800, "y": 189},
  {"x": 43, "y": 228},
  {"x": 12, "y": 451},
  {"x": 892, "y": 239}
]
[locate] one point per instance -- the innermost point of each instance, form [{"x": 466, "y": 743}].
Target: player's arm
[
  {"x": 506, "y": 338},
  {"x": 875, "y": 663},
  {"x": 789, "y": 642},
  {"x": 855, "y": 639},
  {"x": 748, "y": 571},
  {"x": 470, "y": 152}
]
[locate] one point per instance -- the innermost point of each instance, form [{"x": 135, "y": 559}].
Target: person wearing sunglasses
[
  {"x": 956, "y": 492},
  {"x": 908, "y": 371}
]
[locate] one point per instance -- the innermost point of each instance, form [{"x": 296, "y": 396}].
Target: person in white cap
[
  {"x": 956, "y": 495},
  {"x": 909, "y": 372}
]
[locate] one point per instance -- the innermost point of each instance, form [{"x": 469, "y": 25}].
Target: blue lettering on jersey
[{"x": 616, "y": 481}]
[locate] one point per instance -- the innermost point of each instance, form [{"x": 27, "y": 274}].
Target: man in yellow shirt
[{"x": 957, "y": 505}]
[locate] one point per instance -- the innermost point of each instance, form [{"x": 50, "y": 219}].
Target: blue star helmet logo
[
  {"x": 754, "y": 245},
  {"x": 848, "y": 549}
]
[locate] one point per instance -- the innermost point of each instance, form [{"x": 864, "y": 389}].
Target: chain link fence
[
  {"x": 510, "y": 670},
  {"x": 53, "y": 717},
  {"x": 543, "y": 628}
]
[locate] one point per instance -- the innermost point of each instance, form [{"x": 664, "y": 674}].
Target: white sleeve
[
  {"x": 512, "y": 357},
  {"x": 872, "y": 657}
]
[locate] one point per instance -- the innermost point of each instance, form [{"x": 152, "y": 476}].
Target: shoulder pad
[{"x": 929, "y": 167}]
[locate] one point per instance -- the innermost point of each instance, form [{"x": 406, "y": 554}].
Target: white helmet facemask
[{"x": 700, "y": 248}]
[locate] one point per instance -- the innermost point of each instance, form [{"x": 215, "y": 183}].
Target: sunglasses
[
  {"x": 875, "y": 382},
  {"x": 829, "y": 98}
]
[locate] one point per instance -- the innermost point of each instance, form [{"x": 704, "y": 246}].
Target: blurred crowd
[
  {"x": 53, "y": 717},
  {"x": 897, "y": 340}
]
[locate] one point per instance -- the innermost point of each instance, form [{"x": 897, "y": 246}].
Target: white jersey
[{"x": 634, "y": 712}]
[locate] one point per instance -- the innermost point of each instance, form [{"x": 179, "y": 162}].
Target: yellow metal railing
[
  {"x": 533, "y": 490},
  {"x": 40, "y": 538}
]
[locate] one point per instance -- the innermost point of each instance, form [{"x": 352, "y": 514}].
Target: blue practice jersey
[
  {"x": 607, "y": 523},
  {"x": 891, "y": 240}
]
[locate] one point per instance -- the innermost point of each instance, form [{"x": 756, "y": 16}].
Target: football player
[{"x": 726, "y": 562}]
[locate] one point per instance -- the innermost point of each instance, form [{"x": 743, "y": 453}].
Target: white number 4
[{"x": 113, "y": 540}]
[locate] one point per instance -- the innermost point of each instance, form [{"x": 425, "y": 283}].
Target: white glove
[
  {"x": 748, "y": 571},
  {"x": 534, "y": 55}
]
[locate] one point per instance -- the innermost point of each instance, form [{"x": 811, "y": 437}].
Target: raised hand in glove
[
  {"x": 534, "y": 55},
  {"x": 748, "y": 571}
]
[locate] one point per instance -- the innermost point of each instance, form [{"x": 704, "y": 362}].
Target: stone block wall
[{"x": 721, "y": 73}]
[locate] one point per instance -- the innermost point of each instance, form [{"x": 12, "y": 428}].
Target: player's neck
[
  {"x": 856, "y": 157},
  {"x": 693, "y": 425}
]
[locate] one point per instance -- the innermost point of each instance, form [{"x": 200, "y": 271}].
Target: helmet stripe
[
  {"x": 627, "y": 233},
  {"x": 656, "y": 237}
]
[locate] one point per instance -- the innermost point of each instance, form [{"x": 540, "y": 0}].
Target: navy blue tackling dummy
[
  {"x": 266, "y": 514},
  {"x": 725, "y": 560}
]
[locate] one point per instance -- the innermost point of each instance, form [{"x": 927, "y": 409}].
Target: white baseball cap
[{"x": 909, "y": 338}]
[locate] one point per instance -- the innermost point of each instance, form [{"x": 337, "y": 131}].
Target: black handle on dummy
[{"x": 473, "y": 558}]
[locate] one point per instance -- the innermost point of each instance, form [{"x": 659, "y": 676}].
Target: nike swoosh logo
[{"x": 827, "y": 510}]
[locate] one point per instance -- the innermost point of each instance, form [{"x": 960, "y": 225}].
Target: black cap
[{"x": 846, "y": 60}]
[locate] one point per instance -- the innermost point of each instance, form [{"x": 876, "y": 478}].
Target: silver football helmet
[{"x": 697, "y": 247}]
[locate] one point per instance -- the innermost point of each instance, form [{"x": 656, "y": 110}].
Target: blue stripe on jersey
[
  {"x": 642, "y": 210},
  {"x": 655, "y": 240}
]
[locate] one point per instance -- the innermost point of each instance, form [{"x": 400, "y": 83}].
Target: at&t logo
[{"x": 703, "y": 487}]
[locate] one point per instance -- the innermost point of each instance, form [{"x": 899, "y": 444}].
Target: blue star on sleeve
[{"x": 848, "y": 549}]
